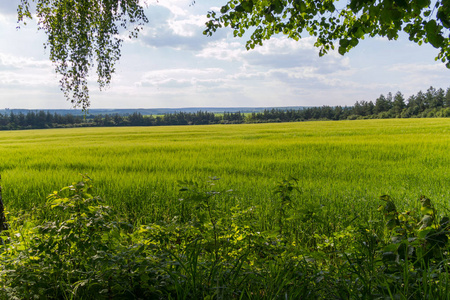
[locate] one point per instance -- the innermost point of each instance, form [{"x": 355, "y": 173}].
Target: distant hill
[{"x": 151, "y": 111}]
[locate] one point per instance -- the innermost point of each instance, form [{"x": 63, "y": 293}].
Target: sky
[{"x": 173, "y": 65}]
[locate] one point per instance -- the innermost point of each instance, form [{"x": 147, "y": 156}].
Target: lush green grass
[
  {"x": 344, "y": 165},
  {"x": 324, "y": 240}
]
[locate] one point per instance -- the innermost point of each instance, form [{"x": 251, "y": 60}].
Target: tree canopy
[
  {"x": 331, "y": 21},
  {"x": 83, "y": 34}
]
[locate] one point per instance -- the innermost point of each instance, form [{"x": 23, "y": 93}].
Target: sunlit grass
[{"x": 344, "y": 165}]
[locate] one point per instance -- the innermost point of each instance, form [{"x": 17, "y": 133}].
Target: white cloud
[
  {"x": 176, "y": 7},
  {"x": 25, "y": 72},
  {"x": 21, "y": 62},
  {"x": 179, "y": 77},
  {"x": 420, "y": 76},
  {"x": 283, "y": 45},
  {"x": 414, "y": 68},
  {"x": 171, "y": 26},
  {"x": 223, "y": 50},
  {"x": 189, "y": 27}
]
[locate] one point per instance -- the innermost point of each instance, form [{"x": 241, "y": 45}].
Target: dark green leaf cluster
[
  {"x": 74, "y": 249},
  {"x": 84, "y": 33},
  {"x": 77, "y": 249},
  {"x": 417, "y": 244},
  {"x": 329, "y": 21}
]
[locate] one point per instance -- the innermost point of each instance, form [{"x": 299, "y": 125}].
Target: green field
[
  {"x": 338, "y": 164},
  {"x": 321, "y": 237}
]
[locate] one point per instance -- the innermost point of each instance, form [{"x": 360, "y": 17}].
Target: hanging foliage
[
  {"x": 331, "y": 22},
  {"x": 83, "y": 34}
]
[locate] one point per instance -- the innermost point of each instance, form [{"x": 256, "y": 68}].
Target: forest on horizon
[{"x": 432, "y": 103}]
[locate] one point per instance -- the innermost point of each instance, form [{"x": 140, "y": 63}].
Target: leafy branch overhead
[
  {"x": 329, "y": 21},
  {"x": 83, "y": 34}
]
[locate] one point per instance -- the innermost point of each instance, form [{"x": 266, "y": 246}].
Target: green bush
[{"x": 76, "y": 248}]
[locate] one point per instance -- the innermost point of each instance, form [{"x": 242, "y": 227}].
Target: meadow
[
  {"x": 348, "y": 163},
  {"x": 340, "y": 168}
]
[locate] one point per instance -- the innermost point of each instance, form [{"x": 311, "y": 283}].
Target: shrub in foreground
[{"x": 76, "y": 248}]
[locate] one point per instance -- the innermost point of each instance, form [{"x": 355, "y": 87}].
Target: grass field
[
  {"x": 339, "y": 164},
  {"x": 325, "y": 240}
]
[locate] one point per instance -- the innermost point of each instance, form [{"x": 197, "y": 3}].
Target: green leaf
[
  {"x": 277, "y": 7},
  {"x": 436, "y": 40},
  {"x": 395, "y": 14},
  {"x": 445, "y": 221},
  {"x": 425, "y": 201},
  {"x": 436, "y": 238},
  {"x": 444, "y": 16},
  {"x": 300, "y": 5},
  {"x": 389, "y": 256},
  {"x": 402, "y": 3},
  {"x": 344, "y": 43},
  {"x": 431, "y": 27},
  {"x": 391, "y": 224},
  {"x": 425, "y": 210},
  {"x": 426, "y": 221},
  {"x": 385, "y": 198},
  {"x": 359, "y": 33},
  {"x": 354, "y": 42},
  {"x": 144, "y": 277},
  {"x": 248, "y": 6},
  {"x": 422, "y": 3},
  {"x": 239, "y": 8},
  {"x": 385, "y": 17}
]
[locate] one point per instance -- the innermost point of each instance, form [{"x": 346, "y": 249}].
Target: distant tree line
[
  {"x": 432, "y": 103},
  {"x": 42, "y": 119}
]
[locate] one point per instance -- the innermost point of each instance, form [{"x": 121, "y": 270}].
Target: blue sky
[{"x": 173, "y": 65}]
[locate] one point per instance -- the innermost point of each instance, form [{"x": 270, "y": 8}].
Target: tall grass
[
  {"x": 341, "y": 165},
  {"x": 318, "y": 236}
]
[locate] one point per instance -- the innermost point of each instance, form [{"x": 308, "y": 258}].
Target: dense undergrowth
[{"x": 78, "y": 248}]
